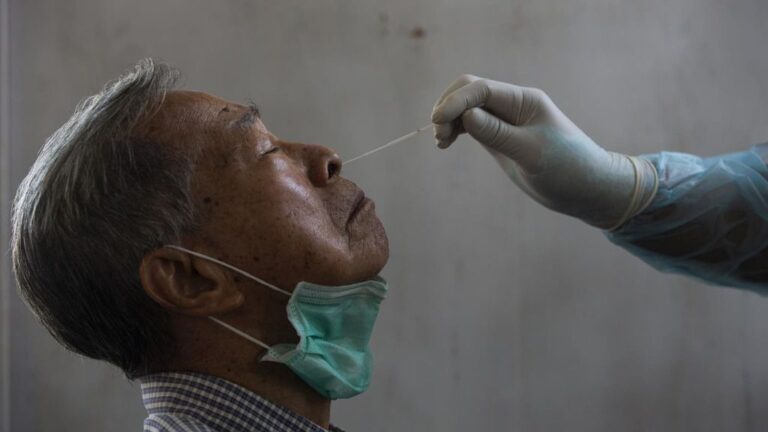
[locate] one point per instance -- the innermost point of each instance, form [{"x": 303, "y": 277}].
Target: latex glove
[{"x": 544, "y": 152}]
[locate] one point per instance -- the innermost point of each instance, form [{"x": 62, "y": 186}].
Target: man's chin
[
  {"x": 379, "y": 249},
  {"x": 371, "y": 263},
  {"x": 369, "y": 251}
]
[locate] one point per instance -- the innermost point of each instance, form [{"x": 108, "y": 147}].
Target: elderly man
[{"x": 152, "y": 210}]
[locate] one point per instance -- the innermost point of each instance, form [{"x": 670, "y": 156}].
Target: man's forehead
[
  {"x": 194, "y": 110},
  {"x": 194, "y": 103}
]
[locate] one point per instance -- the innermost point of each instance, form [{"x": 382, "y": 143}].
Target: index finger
[{"x": 458, "y": 83}]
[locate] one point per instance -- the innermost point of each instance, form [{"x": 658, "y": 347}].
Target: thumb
[{"x": 494, "y": 132}]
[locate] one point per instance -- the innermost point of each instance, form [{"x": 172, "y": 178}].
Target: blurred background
[{"x": 502, "y": 315}]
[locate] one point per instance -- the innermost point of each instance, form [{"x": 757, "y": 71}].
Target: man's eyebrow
[{"x": 246, "y": 120}]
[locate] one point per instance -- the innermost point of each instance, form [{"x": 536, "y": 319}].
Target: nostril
[{"x": 333, "y": 169}]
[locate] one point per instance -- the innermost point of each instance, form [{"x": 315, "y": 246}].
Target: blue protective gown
[{"x": 709, "y": 219}]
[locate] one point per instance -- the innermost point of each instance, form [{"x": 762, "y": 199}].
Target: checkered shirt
[{"x": 192, "y": 402}]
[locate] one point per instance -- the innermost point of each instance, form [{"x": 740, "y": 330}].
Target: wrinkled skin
[
  {"x": 279, "y": 210},
  {"x": 269, "y": 205}
]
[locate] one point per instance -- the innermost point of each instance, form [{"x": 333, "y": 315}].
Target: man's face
[{"x": 277, "y": 209}]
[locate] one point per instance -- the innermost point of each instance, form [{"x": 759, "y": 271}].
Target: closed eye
[{"x": 272, "y": 150}]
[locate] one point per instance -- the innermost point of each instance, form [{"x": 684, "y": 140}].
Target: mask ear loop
[
  {"x": 239, "y": 333},
  {"x": 231, "y": 267},
  {"x": 236, "y": 270}
]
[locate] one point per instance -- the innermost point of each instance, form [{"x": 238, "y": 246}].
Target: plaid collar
[{"x": 182, "y": 401}]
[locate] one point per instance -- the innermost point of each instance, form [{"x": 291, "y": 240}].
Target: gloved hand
[{"x": 544, "y": 152}]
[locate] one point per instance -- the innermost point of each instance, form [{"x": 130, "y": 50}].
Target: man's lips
[{"x": 358, "y": 204}]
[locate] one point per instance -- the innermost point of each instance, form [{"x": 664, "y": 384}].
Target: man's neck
[{"x": 273, "y": 382}]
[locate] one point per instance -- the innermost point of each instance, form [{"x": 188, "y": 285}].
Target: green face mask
[{"x": 334, "y": 324}]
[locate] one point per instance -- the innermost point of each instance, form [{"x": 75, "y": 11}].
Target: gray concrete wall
[
  {"x": 5, "y": 195},
  {"x": 502, "y": 315}
]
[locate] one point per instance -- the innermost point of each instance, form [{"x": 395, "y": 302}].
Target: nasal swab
[{"x": 391, "y": 143}]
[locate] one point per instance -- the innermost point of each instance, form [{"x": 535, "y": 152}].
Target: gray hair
[{"x": 98, "y": 197}]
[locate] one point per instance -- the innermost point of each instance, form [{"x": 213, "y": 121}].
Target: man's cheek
[{"x": 336, "y": 212}]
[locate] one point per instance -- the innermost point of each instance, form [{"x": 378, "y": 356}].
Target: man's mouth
[{"x": 357, "y": 205}]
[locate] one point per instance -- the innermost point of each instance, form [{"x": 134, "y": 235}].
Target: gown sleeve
[{"x": 708, "y": 219}]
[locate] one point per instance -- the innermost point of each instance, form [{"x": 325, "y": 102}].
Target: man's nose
[{"x": 323, "y": 164}]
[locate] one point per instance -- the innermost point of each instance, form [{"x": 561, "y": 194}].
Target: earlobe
[{"x": 188, "y": 285}]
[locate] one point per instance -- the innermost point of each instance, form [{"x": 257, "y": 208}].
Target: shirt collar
[{"x": 218, "y": 403}]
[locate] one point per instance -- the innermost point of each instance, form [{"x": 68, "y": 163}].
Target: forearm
[{"x": 708, "y": 219}]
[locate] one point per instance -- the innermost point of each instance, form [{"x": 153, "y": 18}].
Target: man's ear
[{"x": 188, "y": 284}]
